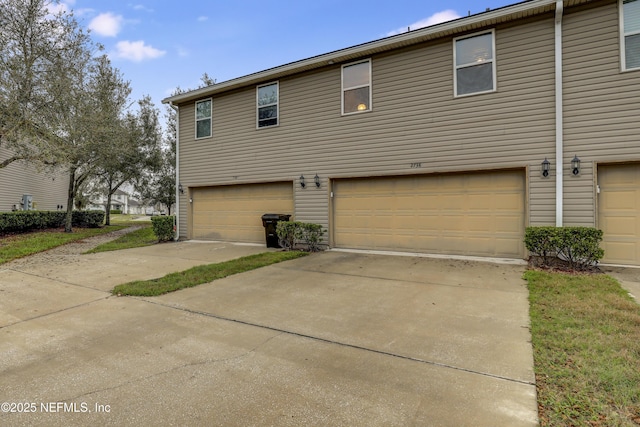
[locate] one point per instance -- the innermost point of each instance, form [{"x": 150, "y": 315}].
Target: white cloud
[
  {"x": 436, "y": 18},
  {"x": 137, "y": 51},
  {"x": 141, "y": 7},
  {"x": 106, "y": 24},
  {"x": 202, "y": 18}
]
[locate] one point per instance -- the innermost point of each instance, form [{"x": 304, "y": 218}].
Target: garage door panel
[
  {"x": 459, "y": 214},
  {"x": 235, "y": 212},
  {"x": 619, "y": 213}
]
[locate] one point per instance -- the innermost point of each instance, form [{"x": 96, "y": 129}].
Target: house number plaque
[{"x": 416, "y": 165}]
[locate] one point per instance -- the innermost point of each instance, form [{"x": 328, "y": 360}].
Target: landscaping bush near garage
[
  {"x": 23, "y": 221},
  {"x": 163, "y": 227},
  {"x": 115, "y": 211},
  {"x": 291, "y": 233},
  {"x": 577, "y": 248}
]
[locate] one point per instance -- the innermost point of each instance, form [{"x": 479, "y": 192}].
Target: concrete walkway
[{"x": 335, "y": 339}]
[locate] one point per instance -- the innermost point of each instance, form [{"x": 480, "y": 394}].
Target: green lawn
[
  {"x": 203, "y": 274},
  {"x": 21, "y": 245},
  {"x": 586, "y": 343},
  {"x": 135, "y": 239}
]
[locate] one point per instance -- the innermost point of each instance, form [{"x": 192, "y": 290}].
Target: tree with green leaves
[{"x": 39, "y": 42}]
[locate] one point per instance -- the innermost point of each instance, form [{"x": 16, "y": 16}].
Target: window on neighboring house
[
  {"x": 356, "y": 87},
  {"x": 630, "y": 38},
  {"x": 203, "y": 118},
  {"x": 267, "y": 104},
  {"x": 474, "y": 58}
]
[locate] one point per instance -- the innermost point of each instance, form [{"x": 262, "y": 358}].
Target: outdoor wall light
[
  {"x": 575, "y": 165},
  {"x": 180, "y": 189},
  {"x": 302, "y": 184},
  {"x": 546, "y": 165},
  {"x": 317, "y": 180}
]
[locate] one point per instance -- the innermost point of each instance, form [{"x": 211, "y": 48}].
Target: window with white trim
[
  {"x": 203, "y": 118},
  {"x": 356, "y": 87},
  {"x": 474, "y": 59},
  {"x": 630, "y": 34},
  {"x": 267, "y": 104}
]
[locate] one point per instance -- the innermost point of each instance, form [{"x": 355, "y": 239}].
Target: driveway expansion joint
[{"x": 333, "y": 342}]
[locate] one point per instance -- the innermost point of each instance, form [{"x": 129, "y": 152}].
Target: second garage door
[
  {"x": 619, "y": 213},
  {"x": 234, "y": 212},
  {"x": 468, "y": 214}
]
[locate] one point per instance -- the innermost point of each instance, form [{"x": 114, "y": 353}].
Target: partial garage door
[
  {"x": 467, "y": 214},
  {"x": 234, "y": 212},
  {"x": 619, "y": 213}
]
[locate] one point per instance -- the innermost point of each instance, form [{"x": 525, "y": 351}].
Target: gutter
[
  {"x": 177, "y": 110},
  {"x": 559, "y": 115}
]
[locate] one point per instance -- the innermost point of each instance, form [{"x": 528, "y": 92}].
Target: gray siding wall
[
  {"x": 415, "y": 119},
  {"x": 49, "y": 189},
  {"x": 600, "y": 103}
]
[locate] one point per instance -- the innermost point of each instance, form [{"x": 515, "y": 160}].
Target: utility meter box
[{"x": 27, "y": 202}]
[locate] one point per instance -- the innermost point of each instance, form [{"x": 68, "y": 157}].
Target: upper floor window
[
  {"x": 267, "y": 104},
  {"x": 474, "y": 59},
  {"x": 630, "y": 37},
  {"x": 356, "y": 87},
  {"x": 203, "y": 118}
]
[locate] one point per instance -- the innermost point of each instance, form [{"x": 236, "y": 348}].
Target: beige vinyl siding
[
  {"x": 415, "y": 120},
  {"x": 48, "y": 188},
  {"x": 600, "y": 104}
]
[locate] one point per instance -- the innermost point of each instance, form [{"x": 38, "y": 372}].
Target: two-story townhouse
[
  {"x": 448, "y": 139},
  {"x": 20, "y": 180}
]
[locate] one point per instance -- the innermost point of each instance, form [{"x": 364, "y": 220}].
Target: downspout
[
  {"x": 559, "y": 114},
  {"x": 176, "y": 109}
]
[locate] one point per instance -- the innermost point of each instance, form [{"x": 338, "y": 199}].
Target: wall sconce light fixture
[
  {"x": 302, "y": 184},
  {"x": 546, "y": 165},
  {"x": 317, "y": 180},
  {"x": 180, "y": 189},
  {"x": 575, "y": 165}
]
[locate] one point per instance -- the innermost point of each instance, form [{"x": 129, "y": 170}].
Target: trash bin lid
[{"x": 272, "y": 216}]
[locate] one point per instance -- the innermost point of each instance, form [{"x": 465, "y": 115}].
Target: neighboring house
[
  {"x": 434, "y": 140},
  {"x": 120, "y": 200},
  {"x": 48, "y": 189}
]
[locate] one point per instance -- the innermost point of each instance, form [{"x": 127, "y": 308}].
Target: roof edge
[{"x": 503, "y": 14}]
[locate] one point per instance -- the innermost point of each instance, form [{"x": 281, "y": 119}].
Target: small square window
[
  {"x": 475, "y": 70},
  {"x": 267, "y": 105},
  {"x": 356, "y": 87},
  {"x": 630, "y": 34},
  {"x": 203, "y": 118}
]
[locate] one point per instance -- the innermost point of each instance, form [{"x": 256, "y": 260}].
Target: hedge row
[
  {"x": 23, "y": 221},
  {"x": 290, "y": 232},
  {"x": 578, "y": 246}
]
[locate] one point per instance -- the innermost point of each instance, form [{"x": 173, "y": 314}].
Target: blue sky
[{"x": 159, "y": 45}]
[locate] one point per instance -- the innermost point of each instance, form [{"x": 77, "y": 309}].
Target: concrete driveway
[{"x": 332, "y": 339}]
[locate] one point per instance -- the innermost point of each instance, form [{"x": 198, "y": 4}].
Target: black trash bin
[{"x": 270, "y": 221}]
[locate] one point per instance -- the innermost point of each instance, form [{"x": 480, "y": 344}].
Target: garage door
[
  {"x": 467, "y": 214},
  {"x": 619, "y": 213},
  {"x": 234, "y": 212}
]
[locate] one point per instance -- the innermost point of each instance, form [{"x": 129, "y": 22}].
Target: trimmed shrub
[
  {"x": 291, "y": 232},
  {"x": 90, "y": 219},
  {"x": 23, "y": 221},
  {"x": 579, "y": 247},
  {"x": 288, "y": 232},
  {"x": 163, "y": 227},
  {"x": 115, "y": 211}
]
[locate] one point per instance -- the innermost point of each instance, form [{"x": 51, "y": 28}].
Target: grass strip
[
  {"x": 203, "y": 274},
  {"x": 21, "y": 245},
  {"x": 586, "y": 344},
  {"x": 135, "y": 239}
]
